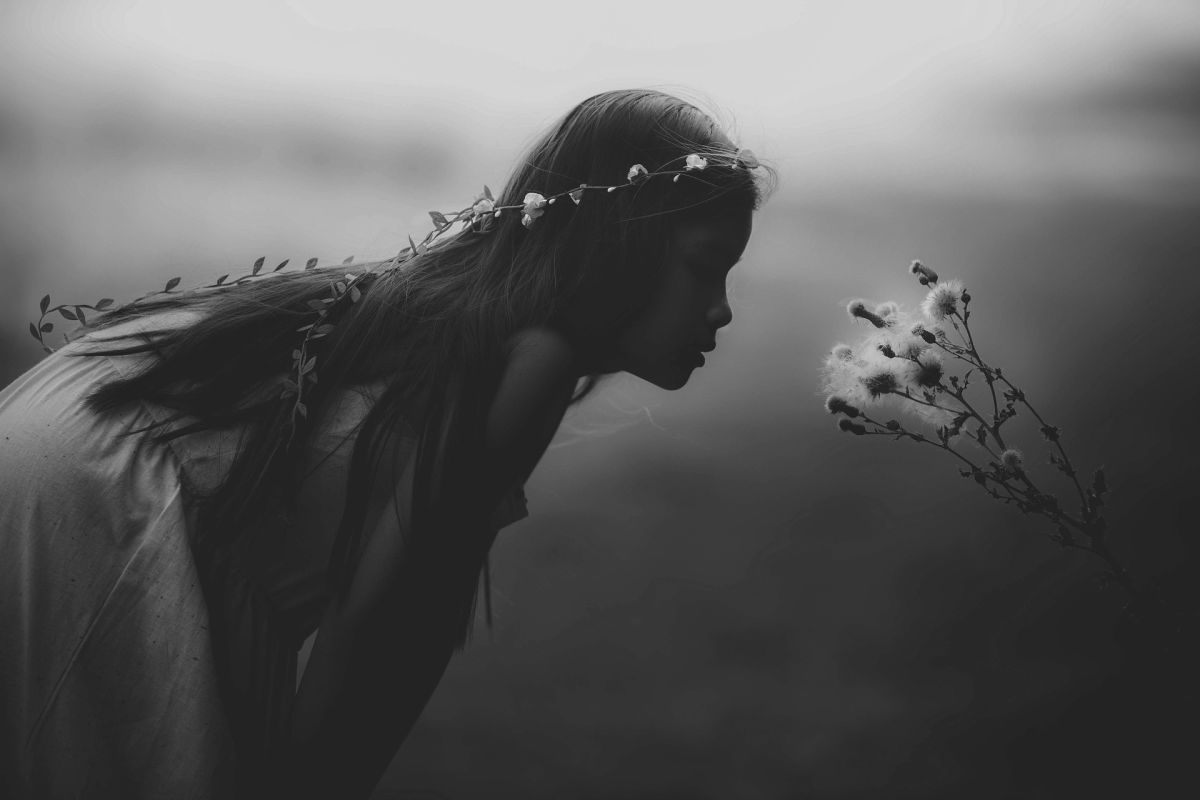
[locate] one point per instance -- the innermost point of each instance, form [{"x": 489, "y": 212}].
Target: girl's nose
[{"x": 720, "y": 314}]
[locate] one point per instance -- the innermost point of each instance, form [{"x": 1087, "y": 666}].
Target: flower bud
[
  {"x": 838, "y": 405},
  {"x": 887, "y": 350},
  {"x": 919, "y": 330},
  {"x": 534, "y": 207},
  {"x": 857, "y": 308},
  {"x": 849, "y": 426},
  {"x": 924, "y": 274}
]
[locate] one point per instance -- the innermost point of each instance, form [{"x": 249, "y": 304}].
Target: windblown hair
[{"x": 433, "y": 331}]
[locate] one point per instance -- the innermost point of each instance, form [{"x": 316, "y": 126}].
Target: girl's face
[{"x": 666, "y": 340}]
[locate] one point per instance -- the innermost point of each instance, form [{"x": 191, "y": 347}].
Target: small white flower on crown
[
  {"x": 695, "y": 162},
  {"x": 535, "y": 206},
  {"x": 638, "y": 174}
]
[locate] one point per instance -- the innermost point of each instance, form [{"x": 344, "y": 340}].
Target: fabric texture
[{"x": 108, "y": 647}]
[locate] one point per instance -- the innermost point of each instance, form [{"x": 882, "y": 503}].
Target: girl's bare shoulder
[
  {"x": 540, "y": 346},
  {"x": 534, "y": 390}
]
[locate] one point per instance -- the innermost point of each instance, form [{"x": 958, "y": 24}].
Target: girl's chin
[{"x": 669, "y": 376}]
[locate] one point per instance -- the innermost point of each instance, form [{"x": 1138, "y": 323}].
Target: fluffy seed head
[
  {"x": 840, "y": 374},
  {"x": 879, "y": 381},
  {"x": 942, "y": 300},
  {"x": 934, "y": 417},
  {"x": 928, "y": 369},
  {"x": 1012, "y": 460},
  {"x": 911, "y": 348}
]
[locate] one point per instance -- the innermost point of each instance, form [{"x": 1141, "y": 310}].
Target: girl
[{"x": 193, "y": 488}]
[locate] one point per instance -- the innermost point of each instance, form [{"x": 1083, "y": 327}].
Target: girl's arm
[{"x": 375, "y": 661}]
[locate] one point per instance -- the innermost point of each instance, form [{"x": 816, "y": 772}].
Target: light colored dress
[{"x": 108, "y": 683}]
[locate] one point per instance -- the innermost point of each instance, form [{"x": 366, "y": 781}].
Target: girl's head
[{"x": 635, "y": 277}]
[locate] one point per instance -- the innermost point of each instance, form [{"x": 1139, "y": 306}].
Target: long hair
[{"x": 433, "y": 331}]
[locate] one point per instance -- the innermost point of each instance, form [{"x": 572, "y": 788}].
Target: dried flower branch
[
  {"x": 924, "y": 365},
  {"x": 906, "y": 360}
]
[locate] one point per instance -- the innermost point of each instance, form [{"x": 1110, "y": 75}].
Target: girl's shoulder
[
  {"x": 540, "y": 347},
  {"x": 533, "y": 394}
]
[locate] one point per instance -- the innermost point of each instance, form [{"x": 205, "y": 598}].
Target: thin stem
[
  {"x": 1028, "y": 498},
  {"x": 987, "y": 372},
  {"x": 910, "y": 397},
  {"x": 917, "y": 437},
  {"x": 1072, "y": 474},
  {"x": 960, "y": 395}
]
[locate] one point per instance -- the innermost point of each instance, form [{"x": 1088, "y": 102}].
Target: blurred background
[{"x": 717, "y": 594}]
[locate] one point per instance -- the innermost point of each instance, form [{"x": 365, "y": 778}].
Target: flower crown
[{"x": 476, "y": 216}]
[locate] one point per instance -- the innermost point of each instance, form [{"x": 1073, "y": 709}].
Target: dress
[{"x": 108, "y": 684}]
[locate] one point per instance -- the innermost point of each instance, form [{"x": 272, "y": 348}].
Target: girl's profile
[{"x": 202, "y": 481}]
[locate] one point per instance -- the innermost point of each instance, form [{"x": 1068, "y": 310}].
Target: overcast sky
[{"x": 817, "y": 87}]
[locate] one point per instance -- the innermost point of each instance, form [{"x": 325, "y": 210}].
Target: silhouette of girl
[{"x": 204, "y": 479}]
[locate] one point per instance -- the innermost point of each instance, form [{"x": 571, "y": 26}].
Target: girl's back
[
  {"x": 121, "y": 620},
  {"x": 108, "y": 682}
]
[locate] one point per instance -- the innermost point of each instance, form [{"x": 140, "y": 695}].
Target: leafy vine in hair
[{"x": 344, "y": 291}]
